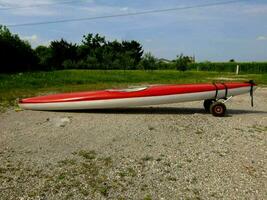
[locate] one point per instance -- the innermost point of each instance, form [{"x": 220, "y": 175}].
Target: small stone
[{"x": 61, "y": 122}]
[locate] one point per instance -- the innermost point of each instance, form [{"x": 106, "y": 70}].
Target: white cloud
[
  {"x": 124, "y": 9},
  {"x": 99, "y": 9},
  {"x": 256, "y": 9},
  {"x": 93, "y": 8},
  {"x": 148, "y": 40},
  {"x": 261, "y": 37},
  {"x": 28, "y": 8},
  {"x": 31, "y": 39},
  {"x": 20, "y": 3},
  {"x": 34, "y": 12},
  {"x": 35, "y": 41}
]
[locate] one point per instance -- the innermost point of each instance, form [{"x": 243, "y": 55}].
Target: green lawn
[{"x": 22, "y": 85}]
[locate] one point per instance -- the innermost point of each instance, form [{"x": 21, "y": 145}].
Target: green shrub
[{"x": 244, "y": 67}]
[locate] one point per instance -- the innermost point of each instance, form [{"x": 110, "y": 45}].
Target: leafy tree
[
  {"x": 90, "y": 44},
  {"x": 16, "y": 54},
  {"x": 127, "y": 62},
  {"x": 61, "y": 51},
  {"x": 106, "y": 59},
  {"x": 182, "y": 62},
  {"x": 109, "y": 55},
  {"x": 232, "y": 60},
  {"x": 116, "y": 57},
  {"x": 93, "y": 53},
  {"x": 148, "y": 62},
  {"x": 92, "y": 62},
  {"x": 92, "y": 41},
  {"x": 134, "y": 49},
  {"x": 45, "y": 57}
]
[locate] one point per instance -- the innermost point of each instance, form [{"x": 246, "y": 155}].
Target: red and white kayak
[{"x": 143, "y": 96}]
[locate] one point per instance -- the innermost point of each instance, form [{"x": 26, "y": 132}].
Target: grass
[
  {"x": 21, "y": 85},
  {"x": 129, "y": 172},
  {"x": 258, "y": 128},
  {"x": 87, "y": 155},
  {"x": 148, "y": 197}
]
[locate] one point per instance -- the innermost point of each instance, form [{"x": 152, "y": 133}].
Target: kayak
[{"x": 134, "y": 97}]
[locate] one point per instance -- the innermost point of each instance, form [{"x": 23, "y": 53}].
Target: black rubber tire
[
  {"x": 207, "y": 103},
  {"x": 218, "y": 109}
]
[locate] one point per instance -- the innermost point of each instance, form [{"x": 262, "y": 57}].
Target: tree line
[{"x": 94, "y": 52}]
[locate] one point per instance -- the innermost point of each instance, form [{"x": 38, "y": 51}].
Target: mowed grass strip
[{"x": 21, "y": 85}]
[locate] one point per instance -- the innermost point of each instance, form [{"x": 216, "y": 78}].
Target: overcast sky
[{"x": 217, "y": 33}]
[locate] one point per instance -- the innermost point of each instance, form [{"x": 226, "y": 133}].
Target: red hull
[{"x": 158, "y": 90}]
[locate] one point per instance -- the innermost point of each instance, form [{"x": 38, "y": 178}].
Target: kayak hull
[{"x": 135, "y": 101}]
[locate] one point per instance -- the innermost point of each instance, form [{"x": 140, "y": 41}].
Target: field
[{"x": 22, "y": 85}]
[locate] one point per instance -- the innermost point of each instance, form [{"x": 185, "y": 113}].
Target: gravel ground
[{"x": 167, "y": 152}]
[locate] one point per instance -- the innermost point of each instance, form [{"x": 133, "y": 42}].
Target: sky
[{"x": 216, "y": 33}]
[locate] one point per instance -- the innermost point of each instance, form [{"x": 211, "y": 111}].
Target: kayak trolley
[{"x": 216, "y": 106}]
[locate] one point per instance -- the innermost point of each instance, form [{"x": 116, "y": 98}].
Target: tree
[
  {"x": 148, "y": 62},
  {"x": 92, "y": 41},
  {"x": 92, "y": 50},
  {"x": 93, "y": 53},
  {"x": 116, "y": 57},
  {"x": 126, "y": 61},
  {"x": 61, "y": 51},
  {"x": 232, "y": 60},
  {"x": 90, "y": 44},
  {"x": 110, "y": 54},
  {"x": 45, "y": 57},
  {"x": 182, "y": 62},
  {"x": 134, "y": 49},
  {"x": 16, "y": 54}
]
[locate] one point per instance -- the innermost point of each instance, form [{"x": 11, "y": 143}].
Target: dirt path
[{"x": 169, "y": 152}]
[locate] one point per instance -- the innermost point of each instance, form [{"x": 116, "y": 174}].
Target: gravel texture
[{"x": 163, "y": 152}]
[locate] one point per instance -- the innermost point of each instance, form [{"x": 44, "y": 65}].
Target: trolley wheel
[
  {"x": 218, "y": 109},
  {"x": 207, "y": 103}
]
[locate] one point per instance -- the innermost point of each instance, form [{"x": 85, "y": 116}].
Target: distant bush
[
  {"x": 166, "y": 66},
  {"x": 182, "y": 62},
  {"x": 249, "y": 67},
  {"x": 148, "y": 62}
]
